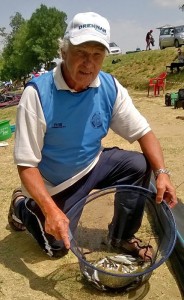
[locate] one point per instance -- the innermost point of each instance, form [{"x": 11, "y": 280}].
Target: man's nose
[{"x": 88, "y": 58}]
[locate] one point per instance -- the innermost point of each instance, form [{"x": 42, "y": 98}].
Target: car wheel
[{"x": 176, "y": 44}]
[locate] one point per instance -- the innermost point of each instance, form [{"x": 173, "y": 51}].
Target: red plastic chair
[{"x": 157, "y": 84}]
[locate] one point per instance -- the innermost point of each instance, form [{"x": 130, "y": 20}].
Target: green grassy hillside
[{"x": 135, "y": 69}]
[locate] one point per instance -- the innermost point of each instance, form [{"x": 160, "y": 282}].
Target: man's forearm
[
  {"x": 152, "y": 150},
  {"x": 33, "y": 182}
]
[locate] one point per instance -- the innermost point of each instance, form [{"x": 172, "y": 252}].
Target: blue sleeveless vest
[{"x": 75, "y": 125}]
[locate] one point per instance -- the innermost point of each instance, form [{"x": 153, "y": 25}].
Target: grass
[
  {"x": 8, "y": 114},
  {"x": 135, "y": 69},
  {"x": 133, "y": 72},
  {"x": 22, "y": 262}
]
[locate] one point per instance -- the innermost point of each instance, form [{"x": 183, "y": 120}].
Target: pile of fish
[
  {"x": 121, "y": 264},
  {"x": 112, "y": 271}
]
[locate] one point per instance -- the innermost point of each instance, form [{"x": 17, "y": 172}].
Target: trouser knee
[
  {"x": 34, "y": 221},
  {"x": 143, "y": 169},
  {"x": 138, "y": 171}
]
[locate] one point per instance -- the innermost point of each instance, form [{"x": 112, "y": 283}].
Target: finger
[
  {"x": 171, "y": 198},
  {"x": 159, "y": 198},
  {"x": 66, "y": 241},
  {"x": 64, "y": 236},
  {"x": 159, "y": 201},
  {"x": 172, "y": 202}
]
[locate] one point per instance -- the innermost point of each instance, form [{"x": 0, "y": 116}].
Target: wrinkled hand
[
  {"x": 57, "y": 224},
  {"x": 165, "y": 190}
]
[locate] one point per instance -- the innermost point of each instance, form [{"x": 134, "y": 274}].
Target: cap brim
[{"x": 88, "y": 38}]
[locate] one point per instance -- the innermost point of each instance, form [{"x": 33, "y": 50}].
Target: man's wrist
[{"x": 161, "y": 171}]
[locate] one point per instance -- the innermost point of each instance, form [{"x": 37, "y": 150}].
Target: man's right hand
[{"x": 57, "y": 224}]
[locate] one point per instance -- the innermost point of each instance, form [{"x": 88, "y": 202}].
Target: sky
[{"x": 130, "y": 20}]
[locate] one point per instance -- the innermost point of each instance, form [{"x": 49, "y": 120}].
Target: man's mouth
[{"x": 85, "y": 73}]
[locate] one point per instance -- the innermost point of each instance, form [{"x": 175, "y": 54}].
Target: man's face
[{"x": 82, "y": 64}]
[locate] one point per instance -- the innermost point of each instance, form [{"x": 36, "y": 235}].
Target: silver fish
[{"x": 122, "y": 259}]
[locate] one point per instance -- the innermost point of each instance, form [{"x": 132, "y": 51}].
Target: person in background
[
  {"x": 35, "y": 73},
  {"x": 149, "y": 40},
  {"x": 178, "y": 61},
  {"x": 42, "y": 71},
  {"x": 62, "y": 118}
]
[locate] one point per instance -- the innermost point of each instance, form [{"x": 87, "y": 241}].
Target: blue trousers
[{"x": 115, "y": 167}]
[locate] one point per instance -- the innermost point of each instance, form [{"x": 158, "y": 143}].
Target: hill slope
[{"x": 135, "y": 69}]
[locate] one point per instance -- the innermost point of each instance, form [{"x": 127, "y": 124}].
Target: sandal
[
  {"x": 14, "y": 222},
  {"x": 136, "y": 247}
]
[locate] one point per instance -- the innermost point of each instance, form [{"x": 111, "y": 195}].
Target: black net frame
[{"x": 164, "y": 223}]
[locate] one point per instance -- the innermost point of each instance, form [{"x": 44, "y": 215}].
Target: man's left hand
[{"x": 165, "y": 190}]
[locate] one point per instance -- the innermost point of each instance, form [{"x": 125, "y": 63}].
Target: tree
[
  {"x": 45, "y": 26},
  {"x": 17, "y": 65},
  {"x": 32, "y": 43},
  {"x": 2, "y": 32},
  {"x": 15, "y": 22},
  {"x": 9, "y": 69}
]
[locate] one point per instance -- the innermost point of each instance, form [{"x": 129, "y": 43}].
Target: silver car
[{"x": 171, "y": 36}]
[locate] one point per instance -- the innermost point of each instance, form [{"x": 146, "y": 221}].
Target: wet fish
[{"x": 124, "y": 259}]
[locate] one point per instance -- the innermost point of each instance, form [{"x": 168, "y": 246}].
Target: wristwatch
[{"x": 161, "y": 171}]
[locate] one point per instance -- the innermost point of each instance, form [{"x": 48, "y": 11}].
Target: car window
[
  {"x": 166, "y": 31},
  {"x": 179, "y": 29},
  {"x": 112, "y": 44}
]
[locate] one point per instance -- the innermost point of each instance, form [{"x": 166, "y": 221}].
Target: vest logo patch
[
  {"x": 58, "y": 125},
  {"x": 96, "y": 120}
]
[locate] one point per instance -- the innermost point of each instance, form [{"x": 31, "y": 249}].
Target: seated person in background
[{"x": 180, "y": 63}]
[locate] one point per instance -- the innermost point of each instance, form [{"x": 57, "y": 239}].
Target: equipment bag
[
  {"x": 181, "y": 94},
  {"x": 168, "y": 99}
]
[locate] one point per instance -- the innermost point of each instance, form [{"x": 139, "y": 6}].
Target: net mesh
[{"x": 90, "y": 242}]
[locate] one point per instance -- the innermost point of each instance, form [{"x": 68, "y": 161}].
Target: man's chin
[{"x": 85, "y": 83}]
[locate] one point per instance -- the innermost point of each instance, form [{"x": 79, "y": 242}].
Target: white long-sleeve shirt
[{"x": 31, "y": 125}]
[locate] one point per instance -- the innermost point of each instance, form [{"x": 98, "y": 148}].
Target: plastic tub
[
  {"x": 13, "y": 127},
  {"x": 5, "y": 130}
]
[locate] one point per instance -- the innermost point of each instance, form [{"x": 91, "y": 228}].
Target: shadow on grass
[{"x": 19, "y": 249}]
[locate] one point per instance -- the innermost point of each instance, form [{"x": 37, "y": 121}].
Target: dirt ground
[{"x": 26, "y": 273}]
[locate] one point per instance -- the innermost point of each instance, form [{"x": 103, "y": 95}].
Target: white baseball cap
[{"x": 88, "y": 27}]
